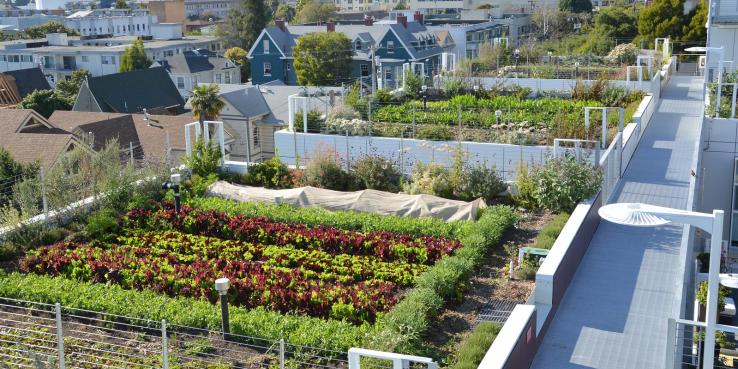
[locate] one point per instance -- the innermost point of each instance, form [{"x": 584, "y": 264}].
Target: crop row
[
  {"x": 254, "y": 283},
  {"x": 386, "y": 246},
  {"x": 314, "y": 264}
]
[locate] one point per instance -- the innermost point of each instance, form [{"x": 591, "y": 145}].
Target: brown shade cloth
[{"x": 370, "y": 201}]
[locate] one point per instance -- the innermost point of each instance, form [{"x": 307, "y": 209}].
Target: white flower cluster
[{"x": 355, "y": 127}]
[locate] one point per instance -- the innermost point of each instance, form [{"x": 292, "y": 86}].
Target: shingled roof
[
  {"x": 195, "y": 62},
  {"x": 28, "y": 80},
  {"x": 131, "y": 92},
  {"x": 28, "y": 137}
]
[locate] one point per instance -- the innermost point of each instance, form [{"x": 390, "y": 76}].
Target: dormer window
[
  {"x": 266, "y": 46},
  {"x": 358, "y": 44},
  {"x": 390, "y": 46}
]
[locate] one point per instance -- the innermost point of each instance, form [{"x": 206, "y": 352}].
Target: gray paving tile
[{"x": 615, "y": 312}]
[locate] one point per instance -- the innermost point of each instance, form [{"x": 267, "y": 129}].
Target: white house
[{"x": 199, "y": 66}]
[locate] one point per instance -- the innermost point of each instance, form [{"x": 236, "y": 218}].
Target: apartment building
[
  {"x": 59, "y": 55},
  {"x": 218, "y": 8},
  {"x": 116, "y": 22}
]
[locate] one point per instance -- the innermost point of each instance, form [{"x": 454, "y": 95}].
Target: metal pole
[
  {"x": 347, "y": 151},
  {"x": 670, "y": 340},
  {"x": 130, "y": 150},
  {"x": 44, "y": 199},
  {"x": 60, "y": 337},
  {"x": 716, "y": 237},
  {"x": 281, "y": 353},
  {"x": 224, "y": 315},
  {"x": 164, "y": 345}
]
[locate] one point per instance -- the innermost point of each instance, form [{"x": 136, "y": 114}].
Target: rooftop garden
[
  {"x": 458, "y": 111},
  {"x": 316, "y": 278}
]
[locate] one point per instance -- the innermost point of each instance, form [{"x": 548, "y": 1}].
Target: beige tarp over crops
[{"x": 370, "y": 201}]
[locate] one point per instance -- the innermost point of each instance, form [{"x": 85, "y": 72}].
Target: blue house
[{"x": 397, "y": 46}]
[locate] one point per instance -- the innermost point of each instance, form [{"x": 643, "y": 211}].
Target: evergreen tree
[
  {"x": 663, "y": 18},
  {"x": 134, "y": 58},
  {"x": 695, "y": 30},
  {"x": 576, "y": 6},
  {"x": 243, "y": 26}
]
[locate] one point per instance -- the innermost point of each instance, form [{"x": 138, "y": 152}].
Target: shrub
[
  {"x": 527, "y": 270},
  {"x": 349, "y": 220},
  {"x": 377, "y": 173},
  {"x": 479, "y": 181},
  {"x": 272, "y": 173},
  {"x": 413, "y": 84},
  {"x": 382, "y": 96},
  {"x": 204, "y": 159},
  {"x": 325, "y": 171},
  {"x": 453, "y": 87},
  {"x": 432, "y": 179},
  {"x": 561, "y": 183},
  {"x": 102, "y": 225},
  {"x": 472, "y": 349},
  {"x": 623, "y": 54},
  {"x": 524, "y": 188},
  {"x": 314, "y": 120},
  {"x": 434, "y": 132}
]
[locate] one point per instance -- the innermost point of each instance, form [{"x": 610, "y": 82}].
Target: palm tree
[{"x": 206, "y": 103}]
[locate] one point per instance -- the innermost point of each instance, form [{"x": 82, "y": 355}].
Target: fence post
[
  {"x": 44, "y": 199},
  {"x": 60, "y": 337},
  {"x": 130, "y": 149},
  {"x": 281, "y": 353},
  {"x": 164, "y": 345},
  {"x": 670, "y": 339},
  {"x": 413, "y": 121}
]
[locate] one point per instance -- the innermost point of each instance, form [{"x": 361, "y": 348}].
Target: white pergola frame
[
  {"x": 639, "y": 68},
  {"x": 292, "y": 102},
  {"x": 448, "y": 62},
  {"x": 604, "y": 110},
  {"x": 649, "y": 59},
  {"x": 205, "y": 134},
  {"x": 399, "y": 361},
  {"x": 666, "y": 44}
]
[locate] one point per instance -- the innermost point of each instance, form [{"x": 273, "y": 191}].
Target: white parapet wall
[{"x": 506, "y": 158}]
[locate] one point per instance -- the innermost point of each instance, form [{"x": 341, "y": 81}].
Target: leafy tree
[
  {"x": 238, "y": 56},
  {"x": 204, "y": 158},
  {"x": 243, "y": 26},
  {"x": 663, "y": 18},
  {"x": 611, "y": 23},
  {"x": 11, "y": 171},
  {"x": 134, "y": 58},
  {"x": 402, "y": 6},
  {"x": 42, "y": 30},
  {"x": 576, "y": 6},
  {"x": 206, "y": 103},
  {"x": 285, "y": 12},
  {"x": 695, "y": 30},
  {"x": 315, "y": 11},
  {"x": 45, "y": 102},
  {"x": 322, "y": 58},
  {"x": 69, "y": 88},
  {"x": 121, "y": 4}
]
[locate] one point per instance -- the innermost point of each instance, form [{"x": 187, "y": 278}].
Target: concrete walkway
[{"x": 614, "y": 314}]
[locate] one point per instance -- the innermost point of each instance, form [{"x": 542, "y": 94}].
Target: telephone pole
[{"x": 374, "y": 70}]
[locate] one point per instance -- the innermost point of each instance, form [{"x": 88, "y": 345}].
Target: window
[
  {"x": 390, "y": 46},
  {"x": 218, "y": 78},
  {"x": 26, "y": 58},
  {"x": 85, "y": 58},
  {"x": 227, "y": 77},
  {"x": 266, "y": 46},
  {"x": 267, "y": 69},
  {"x": 138, "y": 27},
  {"x": 256, "y": 136},
  {"x": 358, "y": 44},
  {"x": 180, "y": 83},
  {"x": 365, "y": 70},
  {"x": 388, "y": 74},
  {"x": 3, "y": 58},
  {"x": 107, "y": 59}
]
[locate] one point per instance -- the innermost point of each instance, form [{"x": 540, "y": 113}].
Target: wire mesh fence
[{"x": 45, "y": 336}]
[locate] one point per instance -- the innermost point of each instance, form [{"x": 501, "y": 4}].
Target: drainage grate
[{"x": 496, "y": 311}]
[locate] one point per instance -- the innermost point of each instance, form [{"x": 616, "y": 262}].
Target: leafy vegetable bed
[{"x": 324, "y": 272}]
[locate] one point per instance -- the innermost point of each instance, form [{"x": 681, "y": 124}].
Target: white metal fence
[
  {"x": 685, "y": 345},
  {"x": 44, "y": 336}
]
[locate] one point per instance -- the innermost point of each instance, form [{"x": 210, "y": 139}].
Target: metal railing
[
  {"x": 685, "y": 345},
  {"x": 44, "y": 336}
]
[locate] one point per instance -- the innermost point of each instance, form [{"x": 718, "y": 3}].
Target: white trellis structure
[
  {"x": 665, "y": 47},
  {"x": 448, "y": 62},
  {"x": 399, "y": 361},
  {"x": 649, "y": 63},
  {"x": 293, "y": 102},
  {"x": 638, "y": 68},
  {"x": 604, "y": 110},
  {"x": 219, "y": 131}
]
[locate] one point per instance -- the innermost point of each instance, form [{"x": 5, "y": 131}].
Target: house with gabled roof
[
  {"x": 131, "y": 92},
  {"x": 193, "y": 67},
  {"x": 396, "y": 47}
]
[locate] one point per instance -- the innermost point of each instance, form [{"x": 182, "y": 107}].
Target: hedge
[
  {"x": 547, "y": 236},
  {"x": 403, "y": 328},
  {"x": 473, "y": 348},
  {"x": 348, "y": 220},
  {"x": 111, "y": 299}
]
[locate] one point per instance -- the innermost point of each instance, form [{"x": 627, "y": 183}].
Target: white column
[{"x": 713, "y": 284}]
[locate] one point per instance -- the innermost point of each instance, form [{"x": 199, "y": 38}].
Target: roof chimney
[
  {"x": 280, "y": 24},
  {"x": 402, "y": 19},
  {"x": 368, "y": 20},
  {"x": 418, "y": 17},
  {"x": 330, "y": 26}
]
